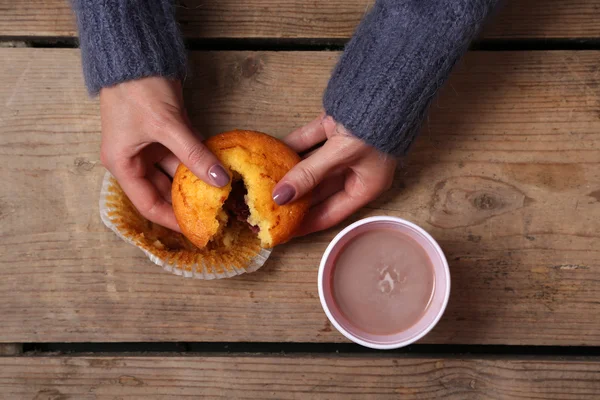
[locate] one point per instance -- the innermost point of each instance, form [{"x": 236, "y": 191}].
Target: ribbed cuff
[
  {"x": 122, "y": 40},
  {"x": 400, "y": 55}
]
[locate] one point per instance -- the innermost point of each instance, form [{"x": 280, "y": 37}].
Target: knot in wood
[
  {"x": 251, "y": 66},
  {"x": 486, "y": 201}
]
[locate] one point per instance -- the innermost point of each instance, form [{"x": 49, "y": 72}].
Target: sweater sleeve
[
  {"x": 122, "y": 40},
  {"x": 401, "y": 53}
]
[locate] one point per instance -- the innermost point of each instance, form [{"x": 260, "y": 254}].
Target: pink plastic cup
[{"x": 435, "y": 309}]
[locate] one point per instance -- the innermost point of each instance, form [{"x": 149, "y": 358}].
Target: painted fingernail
[
  {"x": 284, "y": 194},
  {"x": 218, "y": 175}
]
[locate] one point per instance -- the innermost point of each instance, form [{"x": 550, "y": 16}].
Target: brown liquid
[{"x": 382, "y": 282}]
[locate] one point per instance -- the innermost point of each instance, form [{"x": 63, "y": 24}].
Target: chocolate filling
[{"x": 235, "y": 205}]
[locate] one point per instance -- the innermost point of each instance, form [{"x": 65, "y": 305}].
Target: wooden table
[{"x": 505, "y": 176}]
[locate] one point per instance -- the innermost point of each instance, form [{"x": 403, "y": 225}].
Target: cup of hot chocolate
[{"x": 384, "y": 282}]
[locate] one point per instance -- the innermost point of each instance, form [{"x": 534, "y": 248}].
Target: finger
[
  {"x": 333, "y": 156},
  {"x": 310, "y": 153},
  {"x": 328, "y": 188},
  {"x": 308, "y": 173},
  {"x": 169, "y": 164},
  {"x": 161, "y": 182},
  {"x": 331, "y": 212},
  {"x": 148, "y": 201},
  {"x": 307, "y": 136},
  {"x": 188, "y": 148},
  {"x": 338, "y": 170}
]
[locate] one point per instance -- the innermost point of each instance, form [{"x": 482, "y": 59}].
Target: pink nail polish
[
  {"x": 284, "y": 194},
  {"x": 218, "y": 175}
]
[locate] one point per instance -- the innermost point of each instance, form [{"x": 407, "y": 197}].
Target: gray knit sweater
[{"x": 401, "y": 53}]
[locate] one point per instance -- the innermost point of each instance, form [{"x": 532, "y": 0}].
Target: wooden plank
[
  {"x": 296, "y": 378},
  {"x": 505, "y": 176},
  {"x": 294, "y": 19}
]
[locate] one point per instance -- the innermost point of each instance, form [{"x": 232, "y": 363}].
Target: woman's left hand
[{"x": 344, "y": 173}]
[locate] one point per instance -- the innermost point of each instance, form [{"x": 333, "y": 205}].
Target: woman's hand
[
  {"x": 144, "y": 125},
  {"x": 345, "y": 173}
]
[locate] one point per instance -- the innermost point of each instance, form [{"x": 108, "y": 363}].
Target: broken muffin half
[{"x": 255, "y": 162}]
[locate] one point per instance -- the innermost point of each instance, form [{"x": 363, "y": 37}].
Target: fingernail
[
  {"x": 218, "y": 175},
  {"x": 283, "y": 194}
]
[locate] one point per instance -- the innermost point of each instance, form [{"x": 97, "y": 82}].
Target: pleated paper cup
[{"x": 171, "y": 250}]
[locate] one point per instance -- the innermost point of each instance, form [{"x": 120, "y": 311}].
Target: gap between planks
[{"x": 11, "y": 349}]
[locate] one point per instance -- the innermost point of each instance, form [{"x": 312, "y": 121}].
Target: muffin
[{"x": 255, "y": 162}]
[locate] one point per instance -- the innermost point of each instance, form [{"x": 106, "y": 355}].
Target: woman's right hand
[{"x": 145, "y": 125}]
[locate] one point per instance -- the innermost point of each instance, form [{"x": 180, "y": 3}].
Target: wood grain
[
  {"x": 295, "y": 378},
  {"x": 300, "y": 19},
  {"x": 505, "y": 176}
]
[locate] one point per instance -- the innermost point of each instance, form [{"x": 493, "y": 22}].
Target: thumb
[
  {"x": 306, "y": 175},
  {"x": 188, "y": 148}
]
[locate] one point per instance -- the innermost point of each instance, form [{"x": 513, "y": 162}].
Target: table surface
[{"x": 504, "y": 175}]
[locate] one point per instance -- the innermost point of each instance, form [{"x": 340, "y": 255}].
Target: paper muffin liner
[{"x": 171, "y": 250}]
